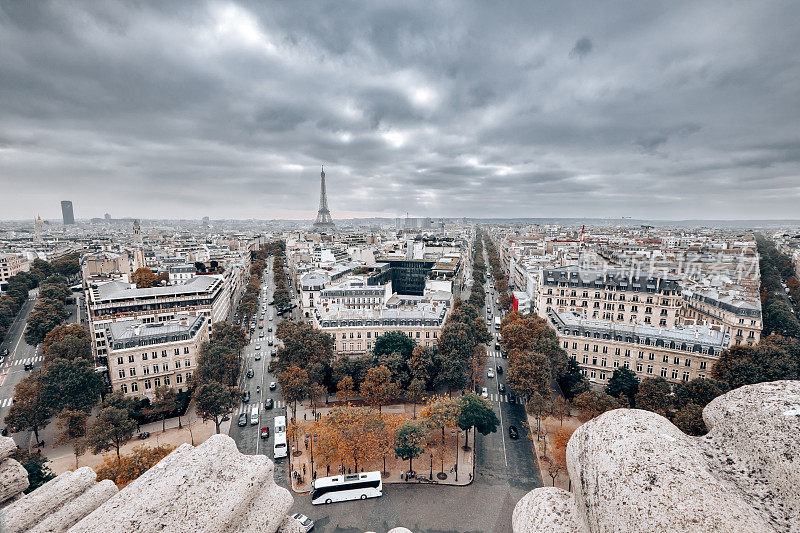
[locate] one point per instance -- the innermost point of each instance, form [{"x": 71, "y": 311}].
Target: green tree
[
  {"x": 623, "y": 383},
  {"x": 46, "y": 315},
  {"x": 214, "y": 401},
  {"x": 30, "y": 410},
  {"x": 110, "y": 430},
  {"x": 573, "y": 382},
  {"x": 36, "y": 465},
  {"x": 690, "y": 420},
  {"x": 699, "y": 391},
  {"x": 424, "y": 365},
  {"x": 409, "y": 441},
  {"x": 394, "y": 341},
  {"x": 67, "y": 342},
  {"x": 72, "y": 385},
  {"x": 654, "y": 395},
  {"x": 165, "y": 402},
  {"x": 478, "y": 413}
]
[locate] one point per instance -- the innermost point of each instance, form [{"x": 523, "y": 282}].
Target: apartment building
[
  {"x": 615, "y": 295},
  {"x": 355, "y": 330},
  {"x": 144, "y": 356},
  {"x": 599, "y": 346},
  {"x": 11, "y": 265},
  {"x": 114, "y": 301},
  {"x": 737, "y": 316}
]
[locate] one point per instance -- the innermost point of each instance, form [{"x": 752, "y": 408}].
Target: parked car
[
  {"x": 502, "y": 389},
  {"x": 490, "y": 373},
  {"x": 269, "y": 329},
  {"x": 28, "y": 366},
  {"x": 270, "y": 342},
  {"x": 265, "y": 433},
  {"x": 258, "y": 356},
  {"x": 246, "y": 396},
  {"x": 242, "y": 419},
  {"x": 513, "y": 432},
  {"x": 250, "y": 373},
  {"x": 305, "y": 522},
  {"x": 258, "y": 346},
  {"x": 497, "y": 346},
  {"x": 268, "y": 403},
  {"x": 4, "y": 352},
  {"x": 143, "y": 435},
  {"x": 272, "y": 385},
  {"x": 273, "y": 352},
  {"x": 485, "y": 392}
]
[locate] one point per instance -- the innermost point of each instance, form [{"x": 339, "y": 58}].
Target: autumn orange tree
[
  {"x": 349, "y": 433},
  {"x": 144, "y": 278},
  {"x": 130, "y": 466},
  {"x": 294, "y": 386},
  {"x": 345, "y": 387},
  {"x": 70, "y": 342},
  {"x": 378, "y": 388},
  {"x": 442, "y": 412}
]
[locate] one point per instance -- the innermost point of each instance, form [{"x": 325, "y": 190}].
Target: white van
[{"x": 254, "y": 415}]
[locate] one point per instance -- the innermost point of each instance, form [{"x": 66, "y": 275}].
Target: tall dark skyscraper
[{"x": 66, "y": 212}]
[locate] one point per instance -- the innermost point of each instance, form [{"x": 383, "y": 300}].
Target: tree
[
  {"x": 415, "y": 393},
  {"x": 478, "y": 413},
  {"x": 699, "y": 391},
  {"x": 593, "y": 403},
  {"x": 409, "y": 442},
  {"x": 67, "y": 342},
  {"x": 654, "y": 395},
  {"x": 537, "y": 405},
  {"x": 350, "y": 433},
  {"x": 345, "y": 388},
  {"x": 442, "y": 412},
  {"x": 40, "y": 269},
  {"x": 214, "y": 401},
  {"x": 67, "y": 266},
  {"x": 424, "y": 364},
  {"x": 394, "y": 341},
  {"x": 130, "y": 466},
  {"x": 294, "y": 383},
  {"x": 144, "y": 278},
  {"x": 690, "y": 420},
  {"x": 560, "y": 408},
  {"x": 31, "y": 409},
  {"x": 378, "y": 388},
  {"x": 166, "y": 401},
  {"x": 35, "y": 465},
  {"x": 573, "y": 382},
  {"x": 111, "y": 429},
  {"x": 46, "y": 315},
  {"x": 623, "y": 382},
  {"x": 72, "y": 385},
  {"x": 529, "y": 372},
  {"x": 73, "y": 428}
]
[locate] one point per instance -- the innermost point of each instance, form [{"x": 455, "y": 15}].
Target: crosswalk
[
  {"x": 29, "y": 360},
  {"x": 245, "y": 407},
  {"x": 500, "y": 398},
  {"x": 6, "y": 402}
]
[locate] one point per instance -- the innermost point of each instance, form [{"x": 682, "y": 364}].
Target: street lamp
[{"x": 431, "y": 476}]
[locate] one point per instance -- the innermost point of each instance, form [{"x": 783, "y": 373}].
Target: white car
[
  {"x": 258, "y": 347},
  {"x": 490, "y": 373},
  {"x": 484, "y": 393},
  {"x": 306, "y": 524}
]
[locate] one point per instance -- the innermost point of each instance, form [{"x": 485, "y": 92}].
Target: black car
[
  {"x": 28, "y": 366},
  {"x": 143, "y": 435},
  {"x": 246, "y": 396},
  {"x": 513, "y": 432},
  {"x": 242, "y": 419},
  {"x": 268, "y": 403},
  {"x": 499, "y": 369},
  {"x": 511, "y": 398},
  {"x": 502, "y": 389},
  {"x": 250, "y": 373},
  {"x": 4, "y": 352}
]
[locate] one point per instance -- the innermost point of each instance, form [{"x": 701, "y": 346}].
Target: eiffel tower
[{"x": 323, "y": 221}]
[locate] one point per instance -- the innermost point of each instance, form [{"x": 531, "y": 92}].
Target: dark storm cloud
[{"x": 227, "y": 109}]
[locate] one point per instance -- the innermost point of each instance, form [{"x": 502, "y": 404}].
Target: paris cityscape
[{"x": 399, "y": 267}]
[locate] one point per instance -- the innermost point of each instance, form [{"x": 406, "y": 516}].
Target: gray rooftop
[{"x": 116, "y": 290}]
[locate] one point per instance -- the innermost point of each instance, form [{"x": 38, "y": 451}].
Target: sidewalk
[{"x": 429, "y": 462}]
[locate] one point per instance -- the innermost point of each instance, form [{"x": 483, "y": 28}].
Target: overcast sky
[{"x": 179, "y": 110}]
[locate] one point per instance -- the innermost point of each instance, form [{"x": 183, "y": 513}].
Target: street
[{"x": 505, "y": 469}]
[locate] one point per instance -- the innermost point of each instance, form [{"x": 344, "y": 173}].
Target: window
[
  {"x": 602, "y": 375},
  {"x": 585, "y": 359},
  {"x": 121, "y": 372},
  {"x": 688, "y": 362},
  {"x": 155, "y": 369},
  {"x": 165, "y": 367},
  {"x": 685, "y": 376},
  {"x": 163, "y": 353},
  {"x": 120, "y": 360},
  {"x": 132, "y": 371},
  {"x": 130, "y": 358},
  {"x": 144, "y": 357},
  {"x": 676, "y": 361},
  {"x": 665, "y": 359},
  {"x": 185, "y": 350},
  {"x": 166, "y": 380},
  {"x": 702, "y": 365},
  {"x": 178, "y": 378},
  {"x": 663, "y": 372},
  {"x": 177, "y": 364},
  {"x": 147, "y": 384},
  {"x": 124, "y": 389},
  {"x": 187, "y": 363},
  {"x": 626, "y": 364},
  {"x": 146, "y": 370},
  {"x": 638, "y": 367},
  {"x": 649, "y": 369},
  {"x": 134, "y": 387},
  {"x": 674, "y": 374},
  {"x": 188, "y": 376},
  {"x": 177, "y": 351},
  {"x": 157, "y": 382}
]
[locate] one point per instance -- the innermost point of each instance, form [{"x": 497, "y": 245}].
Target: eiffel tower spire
[{"x": 324, "y": 221}]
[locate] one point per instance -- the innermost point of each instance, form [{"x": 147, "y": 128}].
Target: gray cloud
[
  {"x": 582, "y": 48},
  {"x": 227, "y": 109}
]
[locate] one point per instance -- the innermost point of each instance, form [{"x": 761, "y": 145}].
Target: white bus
[
  {"x": 497, "y": 321},
  {"x": 254, "y": 415},
  {"x": 279, "y": 448},
  {"x": 347, "y": 487}
]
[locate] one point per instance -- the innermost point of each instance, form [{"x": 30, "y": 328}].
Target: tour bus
[
  {"x": 497, "y": 322},
  {"x": 254, "y": 415},
  {"x": 345, "y": 487},
  {"x": 279, "y": 448}
]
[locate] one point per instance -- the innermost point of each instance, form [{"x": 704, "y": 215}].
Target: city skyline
[{"x": 225, "y": 109}]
